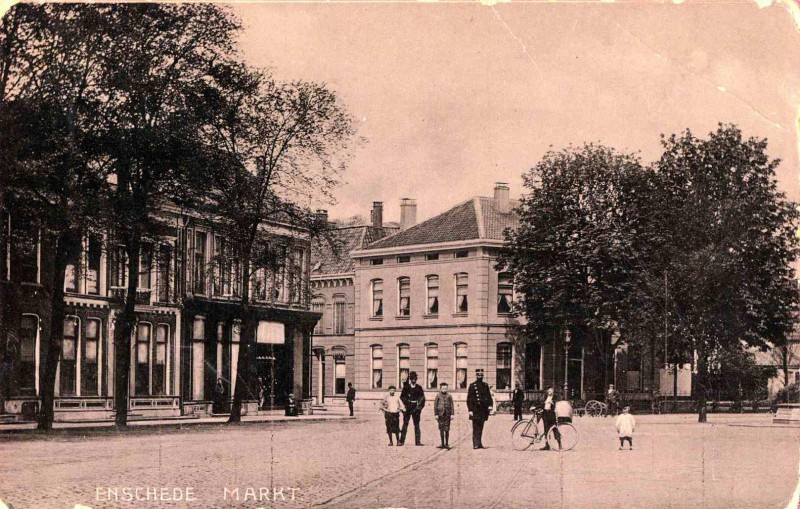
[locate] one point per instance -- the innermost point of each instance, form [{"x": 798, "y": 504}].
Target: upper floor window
[
  {"x": 404, "y": 292},
  {"x": 403, "y": 259},
  {"x": 462, "y": 292},
  {"x": 504, "y": 355},
  {"x": 432, "y": 366},
  {"x": 94, "y": 253},
  {"x": 376, "y": 261},
  {"x": 24, "y": 252},
  {"x": 461, "y": 254},
  {"x": 119, "y": 267},
  {"x": 433, "y": 295},
  {"x": 145, "y": 266},
  {"x": 199, "y": 263},
  {"x": 339, "y": 306},
  {"x": 318, "y": 306},
  {"x": 377, "y": 297},
  {"x": 505, "y": 292},
  {"x": 377, "y": 367},
  {"x": 72, "y": 273},
  {"x": 403, "y": 363},
  {"x": 432, "y": 256},
  {"x": 222, "y": 267},
  {"x": 297, "y": 275},
  {"x": 461, "y": 365},
  {"x": 165, "y": 273}
]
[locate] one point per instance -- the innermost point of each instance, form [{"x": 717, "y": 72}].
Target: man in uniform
[
  {"x": 479, "y": 404},
  {"x": 413, "y": 397}
]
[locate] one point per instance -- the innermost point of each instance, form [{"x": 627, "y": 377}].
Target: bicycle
[{"x": 561, "y": 437}]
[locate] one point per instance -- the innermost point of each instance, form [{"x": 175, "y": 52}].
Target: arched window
[
  {"x": 461, "y": 353},
  {"x": 432, "y": 366},
  {"x": 432, "y": 291},
  {"x": 403, "y": 363},
  {"x": 377, "y": 366},
  {"x": 339, "y": 307},
  {"x": 404, "y": 296},
  {"x": 90, "y": 361},
  {"x": 69, "y": 357},
  {"x": 504, "y": 356},
  {"x": 377, "y": 297},
  {"x": 462, "y": 292}
]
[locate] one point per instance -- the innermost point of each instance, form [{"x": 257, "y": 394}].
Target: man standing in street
[
  {"x": 413, "y": 397},
  {"x": 351, "y": 397},
  {"x": 479, "y": 404},
  {"x": 518, "y": 399}
]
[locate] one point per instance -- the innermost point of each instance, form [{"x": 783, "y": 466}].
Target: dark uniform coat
[
  {"x": 479, "y": 400},
  {"x": 413, "y": 398}
]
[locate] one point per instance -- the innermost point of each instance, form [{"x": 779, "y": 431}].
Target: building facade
[{"x": 187, "y": 332}]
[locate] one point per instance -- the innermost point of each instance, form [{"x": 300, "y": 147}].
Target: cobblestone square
[{"x": 733, "y": 462}]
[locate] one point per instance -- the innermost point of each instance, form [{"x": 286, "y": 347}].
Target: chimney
[
  {"x": 377, "y": 214},
  {"x": 501, "y": 201},
  {"x": 321, "y": 215},
  {"x": 408, "y": 213}
]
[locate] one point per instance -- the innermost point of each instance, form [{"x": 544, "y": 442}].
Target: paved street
[{"x": 737, "y": 461}]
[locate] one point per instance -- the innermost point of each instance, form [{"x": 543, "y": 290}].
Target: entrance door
[{"x": 274, "y": 369}]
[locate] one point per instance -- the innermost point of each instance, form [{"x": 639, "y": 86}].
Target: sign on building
[{"x": 271, "y": 333}]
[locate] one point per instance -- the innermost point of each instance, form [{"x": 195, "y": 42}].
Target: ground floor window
[
  {"x": 461, "y": 365},
  {"x": 504, "y": 351},
  {"x": 69, "y": 357},
  {"x": 90, "y": 361},
  {"x": 403, "y": 363},
  {"x": 142, "y": 369},
  {"x": 340, "y": 372},
  {"x": 160, "y": 357},
  {"x": 432, "y": 366},
  {"x": 29, "y": 330},
  {"x": 377, "y": 367}
]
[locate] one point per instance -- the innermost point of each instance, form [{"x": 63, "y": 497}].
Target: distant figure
[
  {"x": 219, "y": 397},
  {"x": 612, "y": 400},
  {"x": 291, "y": 406},
  {"x": 517, "y": 399},
  {"x": 413, "y": 397},
  {"x": 351, "y": 397},
  {"x": 444, "y": 409},
  {"x": 479, "y": 404},
  {"x": 391, "y": 406},
  {"x": 262, "y": 395},
  {"x": 626, "y": 425}
]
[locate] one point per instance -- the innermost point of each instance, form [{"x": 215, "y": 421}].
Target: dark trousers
[
  {"x": 350, "y": 404},
  {"x": 477, "y": 432},
  {"x": 518, "y": 412},
  {"x": 407, "y": 416},
  {"x": 623, "y": 439}
]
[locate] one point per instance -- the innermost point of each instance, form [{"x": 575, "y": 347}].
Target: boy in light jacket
[{"x": 626, "y": 424}]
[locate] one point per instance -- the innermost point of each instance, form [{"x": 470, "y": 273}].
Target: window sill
[
  {"x": 431, "y": 316},
  {"x": 500, "y": 313},
  {"x": 402, "y": 317},
  {"x": 456, "y": 315},
  {"x": 376, "y": 318}
]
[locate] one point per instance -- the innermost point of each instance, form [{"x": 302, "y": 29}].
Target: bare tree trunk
[
  {"x": 246, "y": 339},
  {"x": 123, "y": 332},
  {"x": 62, "y": 247},
  {"x": 702, "y": 379}
]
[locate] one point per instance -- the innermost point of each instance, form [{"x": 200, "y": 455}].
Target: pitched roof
[
  {"x": 334, "y": 257},
  {"x": 477, "y": 218}
]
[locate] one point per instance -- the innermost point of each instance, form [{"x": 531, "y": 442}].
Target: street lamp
[{"x": 567, "y": 338}]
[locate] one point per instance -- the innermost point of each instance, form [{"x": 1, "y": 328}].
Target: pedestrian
[
  {"x": 444, "y": 409},
  {"x": 479, "y": 404},
  {"x": 413, "y": 397},
  {"x": 612, "y": 400},
  {"x": 492, "y": 393},
  {"x": 517, "y": 399},
  {"x": 262, "y": 395},
  {"x": 549, "y": 414},
  {"x": 391, "y": 406},
  {"x": 626, "y": 425},
  {"x": 291, "y": 406},
  {"x": 351, "y": 397},
  {"x": 219, "y": 397}
]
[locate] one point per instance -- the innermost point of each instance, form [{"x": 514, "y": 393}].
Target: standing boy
[
  {"x": 626, "y": 424},
  {"x": 444, "y": 409},
  {"x": 391, "y": 406}
]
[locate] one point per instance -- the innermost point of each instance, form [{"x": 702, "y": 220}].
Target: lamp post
[{"x": 567, "y": 338}]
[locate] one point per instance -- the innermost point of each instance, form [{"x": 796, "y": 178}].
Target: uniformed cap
[{"x": 479, "y": 371}]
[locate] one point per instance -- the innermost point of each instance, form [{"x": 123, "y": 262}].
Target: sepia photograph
[{"x": 400, "y": 254}]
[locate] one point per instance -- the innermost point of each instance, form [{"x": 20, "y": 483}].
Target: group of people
[{"x": 411, "y": 401}]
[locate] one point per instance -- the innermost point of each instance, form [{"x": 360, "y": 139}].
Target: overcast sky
[{"x": 454, "y": 97}]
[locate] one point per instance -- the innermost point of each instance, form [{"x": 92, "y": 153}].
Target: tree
[
  {"x": 283, "y": 145},
  {"x": 731, "y": 239},
  {"x": 158, "y": 57},
  {"x": 578, "y": 250}
]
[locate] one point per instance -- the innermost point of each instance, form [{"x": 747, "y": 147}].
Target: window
[
  {"x": 25, "y": 253},
  {"x": 297, "y": 276},
  {"x": 89, "y": 361},
  {"x": 433, "y": 295},
  {"x": 461, "y": 365},
  {"x": 404, "y": 290},
  {"x": 403, "y": 259},
  {"x": 503, "y": 366},
  {"x": 145, "y": 266},
  {"x": 142, "y": 370},
  {"x": 160, "y": 357},
  {"x": 533, "y": 366},
  {"x": 165, "y": 273},
  {"x": 260, "y": 284},
  {"x": 432, "y": 256},
  {"x": 505, "y": 292},
  {"x": 93, "y": 265},
  {"x": 432, "y": 366},
  {"x": 376, "y": 261},
  {"x": 339, "y": 306},
  {"x": 119, "y": 267},
  {"x": 69, "y": 355},
  {"x": 199, "y": 263},
  {"x": 340, "y": 369},
  {"x": 462, "y": 293},
  {"x": 377, "y": 297},
  {"x": 377, "y": 367},
  {"x": 461, "y": 254},
  {"x": 222, "y": 272},
  {"x": 72, "y": 273},
  {"x": 28, "y": 331},
  {"x": 318, "y": 306},
  {"x": 403, "y": 362}
]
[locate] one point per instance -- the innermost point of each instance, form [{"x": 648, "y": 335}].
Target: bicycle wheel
[
  {"x": 562, "y": 437},
  {"x": 522, "y": 435}
]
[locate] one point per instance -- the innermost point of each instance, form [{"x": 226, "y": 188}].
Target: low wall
[{"x": 787, "y": 413}]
